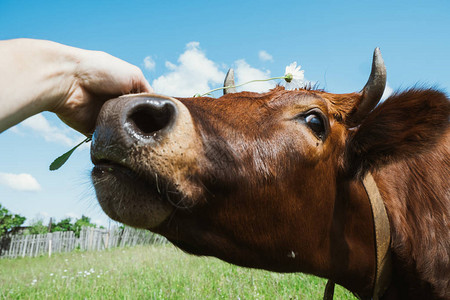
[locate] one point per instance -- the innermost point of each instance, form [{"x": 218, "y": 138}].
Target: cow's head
[{"x": 261, "y": 180}]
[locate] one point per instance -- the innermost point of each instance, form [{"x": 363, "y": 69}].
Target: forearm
[{"x": 34, "y": 76}]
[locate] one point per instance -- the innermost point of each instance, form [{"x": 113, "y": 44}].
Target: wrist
[{"x": 60, "y": 77}]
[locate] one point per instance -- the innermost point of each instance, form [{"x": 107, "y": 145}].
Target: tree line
[{"x": 13, "y": 223}]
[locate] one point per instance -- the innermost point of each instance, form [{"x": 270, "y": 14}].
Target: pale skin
[{"x": 38, "y": 75}]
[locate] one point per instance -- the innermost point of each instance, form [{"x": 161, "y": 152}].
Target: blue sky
[{"x": 186, "y": 46}]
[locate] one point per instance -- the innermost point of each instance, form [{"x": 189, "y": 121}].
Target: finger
[
  {"x": 139, "y": 86},
  {"x": 145, "y": 87}
]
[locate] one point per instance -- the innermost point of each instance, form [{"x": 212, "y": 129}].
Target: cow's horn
[
  {"x": 229, "y": 81},
  {"x": 373, "y": 90}
]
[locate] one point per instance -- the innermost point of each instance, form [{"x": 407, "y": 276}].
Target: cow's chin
[{"x": 128, "y": 198}]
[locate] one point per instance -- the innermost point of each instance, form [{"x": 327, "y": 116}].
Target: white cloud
[
  {"x": 194, "y": 74},
  {"x": 149, "y": 63},
  {"x": 264, "y": 56},
  {"x": 20, "y": 182},
  {"x": 50, "y": 133},
  {"x": 170, "y": 66},
  {"x": 244, "y": 72},
  {"x": 388, "y": 91}
]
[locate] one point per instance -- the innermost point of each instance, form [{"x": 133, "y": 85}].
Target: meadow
[{"x": 149, "y": 272}]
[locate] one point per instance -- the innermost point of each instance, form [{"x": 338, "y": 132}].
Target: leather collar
[{"x": 382, "y": 232}]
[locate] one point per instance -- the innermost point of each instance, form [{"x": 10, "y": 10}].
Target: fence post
[
  {"x": 25, "y": 244},
  {"x": 13, "y": 238},
  {"x": 107, "y": 240},
  {"x": 49, "y": 245}
]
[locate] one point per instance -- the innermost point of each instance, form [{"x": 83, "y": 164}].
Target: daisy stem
[{"x": 235, "y": 86}]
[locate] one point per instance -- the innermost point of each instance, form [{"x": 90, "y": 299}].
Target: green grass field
[{"x": 149, "y": 272}]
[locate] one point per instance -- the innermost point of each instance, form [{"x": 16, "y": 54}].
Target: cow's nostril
[
  {"x": 149, "y": 121},
  {"x": 150, "y": 118}
]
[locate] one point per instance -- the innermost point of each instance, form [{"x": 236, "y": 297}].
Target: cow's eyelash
[{"x": 316, "y": 122}]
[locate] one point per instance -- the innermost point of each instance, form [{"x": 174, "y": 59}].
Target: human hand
[
  {"x": 38, "y": 75},
  {"x": 97, "y": 78}
]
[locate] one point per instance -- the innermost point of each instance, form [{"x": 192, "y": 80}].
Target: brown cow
[{"x": 273, "y": 180}]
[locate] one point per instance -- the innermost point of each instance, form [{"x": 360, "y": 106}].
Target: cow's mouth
[
  {"x": 128, "y": 196},
  {"x": 107, "y": 166}
]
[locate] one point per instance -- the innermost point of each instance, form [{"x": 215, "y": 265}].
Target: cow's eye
[{"x": 315, "y": 122}]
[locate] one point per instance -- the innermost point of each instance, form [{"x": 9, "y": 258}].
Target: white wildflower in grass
[
  {"x": 51, "y": 274},
  {"x": 34, "y": 282},
  {"x": 65, "y": 271},
  {"x": 293, "y": 77}
]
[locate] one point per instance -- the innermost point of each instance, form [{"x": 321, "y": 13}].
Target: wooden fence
[{"x": 65, "y": 241}]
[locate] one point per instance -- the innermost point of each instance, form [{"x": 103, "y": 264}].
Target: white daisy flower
[{"x": 293, "y": 77}]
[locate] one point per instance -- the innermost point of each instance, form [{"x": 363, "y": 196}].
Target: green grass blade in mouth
[{"x": 57, "y": 163}]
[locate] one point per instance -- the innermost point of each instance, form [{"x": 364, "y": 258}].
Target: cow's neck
[{"x": 346, "y": 254}]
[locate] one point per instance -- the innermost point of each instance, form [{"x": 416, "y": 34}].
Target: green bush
[{"x": 9, "y": 222}]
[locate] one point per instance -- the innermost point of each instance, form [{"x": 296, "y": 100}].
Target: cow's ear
[{"x": 404, "y": 125}]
